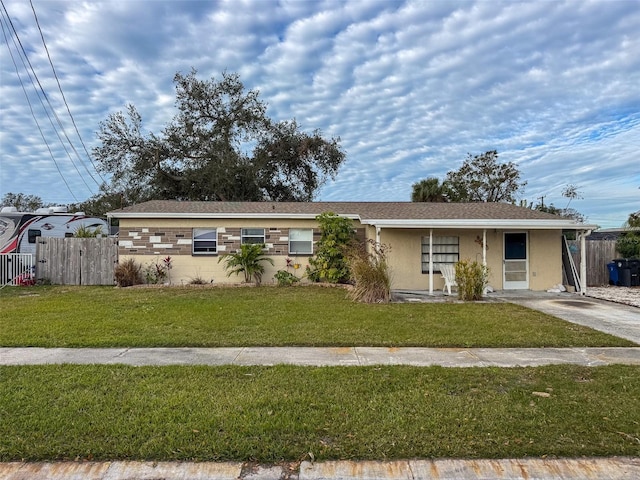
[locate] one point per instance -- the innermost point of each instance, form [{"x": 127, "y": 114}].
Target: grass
[
  {"x": 270, "y": 414},
  {"x": 301, "y": 316}
]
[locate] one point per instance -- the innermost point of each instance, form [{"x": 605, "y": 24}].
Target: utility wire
[
  {"x": 55, "y": 74},
  {"x": 30, "y": 106},
  {"x": 24, "y": 57}
]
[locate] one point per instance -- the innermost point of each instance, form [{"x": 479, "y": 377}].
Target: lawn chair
[{"x": 448, "y": 272}]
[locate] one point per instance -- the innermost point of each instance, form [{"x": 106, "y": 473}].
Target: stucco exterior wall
[
  {"x": 147, "y": 241},
  {"x": 545, "y": 265}
]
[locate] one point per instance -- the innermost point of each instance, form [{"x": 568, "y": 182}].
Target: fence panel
[
  {"x": 77, "y": 261},
  {"x": 598, "y": 254},
  {"x": 17, "y": 269}
]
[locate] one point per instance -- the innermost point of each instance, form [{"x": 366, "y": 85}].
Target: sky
[{"x": 410, "y": 87}]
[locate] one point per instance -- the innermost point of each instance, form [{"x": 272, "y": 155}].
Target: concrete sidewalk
[
  {"x": 575, "y": 469},
  {"x": 324, "y": 356}
]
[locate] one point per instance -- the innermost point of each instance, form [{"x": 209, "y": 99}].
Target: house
[{"x": 521, "y": 247}]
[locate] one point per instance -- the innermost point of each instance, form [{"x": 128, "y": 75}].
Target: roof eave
[{"x": 529, "y": 224}]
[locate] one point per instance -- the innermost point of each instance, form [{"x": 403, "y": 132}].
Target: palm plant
[
  {"x": 429, "y": 190},
  {"x": 248, "y": 261}
]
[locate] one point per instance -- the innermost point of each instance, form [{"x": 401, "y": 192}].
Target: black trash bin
[
  {"x": 624, "y": 279},
  {"x": 614, "y": 278},
  {"x": 634, "y": 267}
]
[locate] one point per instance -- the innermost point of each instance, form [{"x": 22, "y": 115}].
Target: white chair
[{"x": 448, "y": 272}]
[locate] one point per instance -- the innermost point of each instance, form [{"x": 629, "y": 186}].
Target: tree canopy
[
  {"x": 220, "y": 145},
  {"x": 482, "y": 179},
  {"x": 22, "y": 202},
  {"x": 429, "y": 190}
]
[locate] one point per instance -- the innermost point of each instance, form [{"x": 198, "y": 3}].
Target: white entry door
[{"x": 516, "y": 261}]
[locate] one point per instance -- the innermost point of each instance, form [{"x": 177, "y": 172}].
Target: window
[
  {"x": 301, "y": 241},
  {"x": 253, "y": 235},
  {"x": 445, "y": 250},
  {"x": 205, "y": 241},
  {"x": 33, "y": 235}
]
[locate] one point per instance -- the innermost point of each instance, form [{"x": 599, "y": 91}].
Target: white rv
[{"x": 19, "y": 231}]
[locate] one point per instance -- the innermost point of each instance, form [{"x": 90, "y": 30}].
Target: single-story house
[{"x": 522, "y": 247}]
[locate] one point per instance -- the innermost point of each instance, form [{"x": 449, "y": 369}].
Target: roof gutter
[{"x": 479, "y": 223}]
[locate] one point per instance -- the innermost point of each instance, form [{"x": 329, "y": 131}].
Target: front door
[{"x": 516, "y": 261}]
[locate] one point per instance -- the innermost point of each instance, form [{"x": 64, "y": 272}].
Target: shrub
[
  {"x": 329, "y": 263},
  {"x": 472, "y": 278},
  {"x": 248, "y": 261},
  {"x": 128, "y": 273},
  {"x": 285, "y": 279},
  {"x": 628, "y": 245},
  {"x": 370, "y": 273},
  {"x": 84, "y": 231}
]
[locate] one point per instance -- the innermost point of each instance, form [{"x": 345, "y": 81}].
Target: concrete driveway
[{"x": 614, "y": 318}]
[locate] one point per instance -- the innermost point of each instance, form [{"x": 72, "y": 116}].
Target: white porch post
[
  {"x": 583, "y": 261},
  {"x": 484, "y": 247},
  {"x": 378, "y": 229},
  {"x": 430, "y": 261}
]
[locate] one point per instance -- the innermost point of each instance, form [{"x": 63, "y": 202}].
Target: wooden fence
[
  {"x": 599, "y": 253},
  {"x": 76, "y": 261}
]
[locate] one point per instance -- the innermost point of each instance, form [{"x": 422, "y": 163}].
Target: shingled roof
[{"x": 412, "y": 214}]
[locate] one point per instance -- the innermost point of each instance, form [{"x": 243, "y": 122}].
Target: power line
[
  {"x": 31, "y": 107},
  {"x": 55, "y": 74},
  {"x": 30, "y": 70}
]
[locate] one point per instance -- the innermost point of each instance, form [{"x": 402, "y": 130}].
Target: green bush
[
  {"x": 628, "y": 245},
  {"x": 370, "y": 273},
  {"x": 87, "y": 232},
  {"x": 285, "y": 279},
  {"x": 336, "y": 237},
  {"x": 128, "y": 273},
  {"x": 472, "y": 278}
]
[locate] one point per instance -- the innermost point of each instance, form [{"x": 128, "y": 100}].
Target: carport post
[
  {"x": 583, "y": 261},
  {"x": 431, "y": 261}
]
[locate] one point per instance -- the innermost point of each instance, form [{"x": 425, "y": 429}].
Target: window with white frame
[
  {"x": 301, "y": 241},
  {"x": 445, "y": 250},
  {"x": 205, "y": 241},
  {"x": 252, "y": 235}
]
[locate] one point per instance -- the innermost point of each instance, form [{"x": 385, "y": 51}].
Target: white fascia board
[
  {"x": 277, "y": 216},
  {"x": 480, "y": 223}
]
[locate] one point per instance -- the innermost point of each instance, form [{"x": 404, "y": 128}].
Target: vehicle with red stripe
[{"x": 19, "y": 231}]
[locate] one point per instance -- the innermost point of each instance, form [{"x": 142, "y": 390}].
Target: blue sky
[{"x": 410, "y": 87}]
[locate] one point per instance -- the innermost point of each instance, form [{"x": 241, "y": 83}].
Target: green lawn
[
  {"x": 268, "y": 316},
  {"x": 270, "y": 414}
]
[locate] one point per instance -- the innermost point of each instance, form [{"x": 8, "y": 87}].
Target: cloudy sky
[{"x": 411, "y": 87}]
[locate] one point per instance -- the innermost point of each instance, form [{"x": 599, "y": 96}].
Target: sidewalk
[
  {"x": 619, "y": 468},
  {"x": 325, "y": 356}
]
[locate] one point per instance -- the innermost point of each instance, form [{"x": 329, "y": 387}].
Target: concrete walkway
[
  {"x": 619, "y": 468},
  {"x": 325, "y": 356}
]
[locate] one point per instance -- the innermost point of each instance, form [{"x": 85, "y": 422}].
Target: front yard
[
  {"x": 284, "y": 413},
  {"x": 268, "y": 316}
]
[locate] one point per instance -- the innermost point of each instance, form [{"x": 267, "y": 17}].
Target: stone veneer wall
[{"x": 178, "y": 241}]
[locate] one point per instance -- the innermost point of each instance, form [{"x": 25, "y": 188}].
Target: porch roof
[{"x": 379, "y": 214}]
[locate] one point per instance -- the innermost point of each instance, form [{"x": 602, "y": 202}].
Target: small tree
[
  {"x": 628, "y": 244},
  {"x": 329, "y": 263},
  {"x": 248, "y": 261}
]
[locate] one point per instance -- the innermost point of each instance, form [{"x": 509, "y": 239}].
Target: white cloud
[{"x": 410, "y": 87}]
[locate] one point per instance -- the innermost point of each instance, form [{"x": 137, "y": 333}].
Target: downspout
[
  {"x": 378, "y": 229},
  {"x": 583, "y": 261},
  {"x": 430, "y": 261}
]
